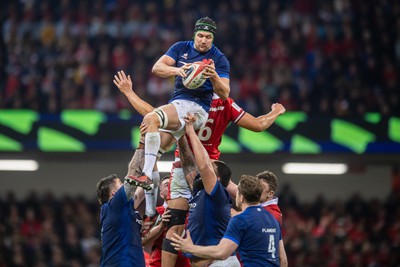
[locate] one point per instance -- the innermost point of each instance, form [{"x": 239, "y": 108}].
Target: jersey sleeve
[
  {"x": 219, "y": 193},
  {"x": 118, "y": 200},
  {"x": 173, "y": 51},
  {"x": 235, "y": 112},
  {"x": 222, "y": 67},
  {"x": 236, "y": 229}
]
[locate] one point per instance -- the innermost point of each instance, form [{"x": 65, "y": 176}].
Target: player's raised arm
[
  {"x": 262, "y": 122},
  {"x": 188, "y": 161},
  {"x": 125, "y": 85},
  {"x": 202, "y": 159}
]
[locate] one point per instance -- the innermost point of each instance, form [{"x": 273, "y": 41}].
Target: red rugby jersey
[
  {"x": 272, "y": 207},
  {"x": 221, "y": 113},
  {"x": 155, "y": 256}
]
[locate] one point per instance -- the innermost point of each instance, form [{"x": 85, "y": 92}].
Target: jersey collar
[
  {"x": 215, "y": 96},
  {"x": 270, "y": 202}
]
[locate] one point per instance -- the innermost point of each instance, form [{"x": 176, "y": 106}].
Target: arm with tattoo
[
  {"x": 129, "y": 190},
  {"x": 136, "y": 164},
  {"x": 134, "y": 167},
  {"x": 188, "y": 161}
]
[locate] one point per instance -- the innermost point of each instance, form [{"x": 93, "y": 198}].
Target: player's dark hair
[
  {"x": 223, "y": 172},
  {"x": 165, "y": 178},
  {"x": 250, "y": 188},
  {"x": 103, "y": 188},
  {"x": 270, "y": 178},
  {"x": 205, "y": 24}
]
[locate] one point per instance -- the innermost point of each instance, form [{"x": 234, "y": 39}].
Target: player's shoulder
[
  {"x": 183, "y": 44},
  {"x": 242, "y": 218},
  {"x": 216, "y": 50},
  {"x": 217, "y": 101},
  {"x": 218, "y": 55},
  {"x": 104, "y": 208},
  {"x": 229, "y": 101}
]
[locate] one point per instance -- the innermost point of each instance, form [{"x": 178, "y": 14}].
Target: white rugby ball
[{"x": 194, "y": 75}]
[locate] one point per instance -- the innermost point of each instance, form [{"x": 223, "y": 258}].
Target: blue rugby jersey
[
  {"x": 183, "y": 53},
  {"x": 120, "y": 233},
  {"x": 209, "y": 216},
  {"x": 257, "y": 233}
]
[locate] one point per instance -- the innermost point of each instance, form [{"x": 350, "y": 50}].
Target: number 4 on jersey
[{"x": 271, "y": 246}]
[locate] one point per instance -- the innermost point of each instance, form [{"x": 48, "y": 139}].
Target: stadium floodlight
[
  {"x": 164, "y": 166},
  {"x": 314, "y": 168},
  {"x": 18, "y": 165}
]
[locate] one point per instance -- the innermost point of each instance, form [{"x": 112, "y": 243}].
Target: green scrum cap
[{"x": 205, "y": 24}]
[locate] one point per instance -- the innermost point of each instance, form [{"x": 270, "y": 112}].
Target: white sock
[
  {"x": 152, "y": 195},
  {"x": 152, "y": 142}
]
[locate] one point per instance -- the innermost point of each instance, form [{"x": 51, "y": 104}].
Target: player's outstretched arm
[
  {"x": 165, "y": 67},
  {"x": 125, "y": 85},
  {"x": 134, "y": 167},
  {"x": 262, "y": 122},
  {"x": 222, "y": 251},
  {"x": 201, "y": 156},
  {"x": 187, "y": 160},
  {"x": 129, "y": 190}
]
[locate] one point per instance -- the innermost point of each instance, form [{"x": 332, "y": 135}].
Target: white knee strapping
[{"x": 162, "y": 118}]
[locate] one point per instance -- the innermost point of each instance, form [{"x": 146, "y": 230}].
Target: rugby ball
[{"x": 194, "y": 75}]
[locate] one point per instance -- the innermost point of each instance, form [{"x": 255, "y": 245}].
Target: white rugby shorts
[
  {"x": 231, "y": 261},
  {"x": 178, "y": 186},
  {"x": 183, "y": 107}
]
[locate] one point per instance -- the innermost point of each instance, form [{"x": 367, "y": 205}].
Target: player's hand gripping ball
[{"x": 194, "y": 75}]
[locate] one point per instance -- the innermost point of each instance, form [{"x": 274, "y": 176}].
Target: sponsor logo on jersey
[
  {"x": 185, "y": 56},
  {"x": 217, "y": 108}
]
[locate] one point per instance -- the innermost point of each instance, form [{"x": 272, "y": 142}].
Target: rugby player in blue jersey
[
  {"x": 254, "y": 232},
  {"x": 166, "y": 124},
  {"x": 121, "y": 243},
  {"x": 210, "y": 206},
  {"x": 121, "y": 223}
]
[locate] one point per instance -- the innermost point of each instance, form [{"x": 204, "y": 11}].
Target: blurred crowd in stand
[
  {"x": 43, "y": 230},
  {"x": 333, "y": 57}
]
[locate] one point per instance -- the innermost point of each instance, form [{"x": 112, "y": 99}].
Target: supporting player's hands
[
  {"x": 210, "y": 70},
  {"x": 143, "y": 128},
  {"x": 278, "y": 108},
  {"x": 165, "y": 218},
  {"x": 123, "y": 82},
  {"x": 183, "y": 244},
  {"x": 189, "y": 119}
]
